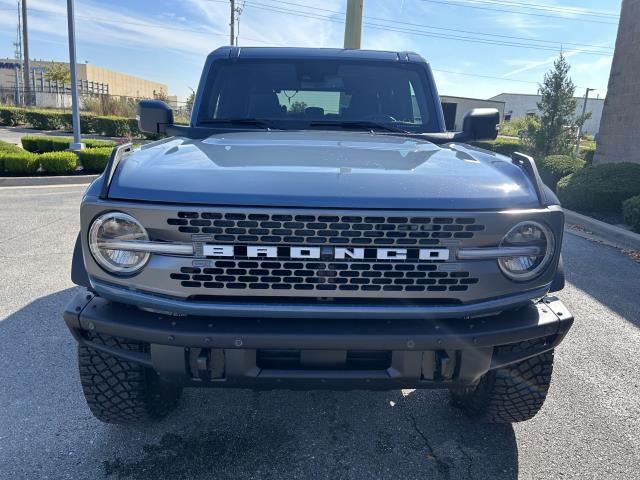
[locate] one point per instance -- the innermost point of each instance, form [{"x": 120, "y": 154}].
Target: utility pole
[
  {"x": 26, "y": 67},
  {"x": 18, "y": 42},
  {"x": 584, "y": 111},
  {"x": 232, "y": 23},
  {"x": 353, "y": 24},
  {"x": 77, "y": 144}
]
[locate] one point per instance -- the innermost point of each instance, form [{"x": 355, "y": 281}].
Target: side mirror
[
  {"x": 154, "y": 116},
  {"x": 481, "y": 124}
]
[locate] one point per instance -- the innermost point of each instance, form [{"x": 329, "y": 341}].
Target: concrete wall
[
  {"x": 119, "y": 84},
  {"x": 619, "y": 139},
  {"x": 520, "y": 105},
  {"x": 463, "y": 105}
]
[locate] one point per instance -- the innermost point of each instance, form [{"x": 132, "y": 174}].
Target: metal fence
[{"x": 93, "y": 98}]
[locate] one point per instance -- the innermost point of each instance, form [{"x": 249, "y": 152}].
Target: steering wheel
[{"x": 380, "y": 118}]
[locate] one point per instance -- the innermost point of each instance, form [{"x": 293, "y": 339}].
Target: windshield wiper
[
  {"x": 364, "y": 125},
  {"x": 240, "y": 121}
]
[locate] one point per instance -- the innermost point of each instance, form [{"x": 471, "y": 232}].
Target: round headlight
[
  {"x": 528, "y": 234},
  {"x": 114, "y": 227}
]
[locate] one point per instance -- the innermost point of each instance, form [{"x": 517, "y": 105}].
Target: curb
[
  {"x": 43, "y": 181},
  {"x": 611, "y": 234}
]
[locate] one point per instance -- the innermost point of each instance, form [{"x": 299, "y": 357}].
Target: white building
[
  {"x": 455, "y": 108},
  {"x": 518, "y": 105}
]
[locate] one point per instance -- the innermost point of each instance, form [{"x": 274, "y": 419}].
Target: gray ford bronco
[{"x": 315, "y": 226}]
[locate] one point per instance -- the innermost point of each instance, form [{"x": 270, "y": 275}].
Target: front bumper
[{"x": 310, "y": 353}]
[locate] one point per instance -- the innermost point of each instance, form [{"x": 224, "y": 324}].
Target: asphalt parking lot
[{"x": 588, "y": 429}]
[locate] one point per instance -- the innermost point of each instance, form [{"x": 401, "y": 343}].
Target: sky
[{"x": 477, "y": 48}]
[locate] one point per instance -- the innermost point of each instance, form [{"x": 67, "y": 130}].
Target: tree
[
  {"x": 554, "y": 132},
  {"x": 161, "y": 95},
  {"x": 58, "y": 72},
  {"x": 190, "y": 100}
]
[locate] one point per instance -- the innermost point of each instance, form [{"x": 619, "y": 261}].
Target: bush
[
  {"x": 502, "y": 145},
  {"x": 48, "y": 119},
  {"x": 602, "y": 188},
  {"x": 95, "y": 159},
  {"x": 116, "y": 126},
  {"x": 12, "y": 116},
  {"x": 87, "y": 123},
  {"x": 6, "y": 147},
  {"x": 58, "y": 162},
  {"x": 555, "y": 167},
  {"x": 106, "y": 105},
  {"x": 111, "y": 126},
  {"x": 30, "y": 143},
  {"x": 517, "y": 127},
  {"x": 42, "y": 144},
  {"x": 19, "y": 162},
  {"x": 631, "y": 212},
  {"x": 98, "y": 143},
  {"x": 587, "y": 155}
]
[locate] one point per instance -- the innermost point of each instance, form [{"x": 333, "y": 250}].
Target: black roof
[{"x": 324, "y": 53}]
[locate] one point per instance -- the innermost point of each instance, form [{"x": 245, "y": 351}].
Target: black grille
[
  {"x": 325, "y": 229},
  {"x": 353, "y": 276}
]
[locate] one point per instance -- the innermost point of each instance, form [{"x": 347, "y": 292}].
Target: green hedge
[
  {"x": 602, "y": 188},
  {"x": 42, "y": 144},
  {"x": 48, "y": 120},
  {"x": 631, "y": 212},
  {"x": 588, "y": 153},
  {"x": 555, "y": 167},
  {"x": 58, "y": 162},
  {"x": 9, "y": 147},
  {"x": 502, "y": 145},
  {"x": 23, "y": 163},
  {"x": 12, "y": 116},
  {"x": 116, "y": 126},
  {"x": 95, "y": 159},
  {"x": 60, "y": 120}
]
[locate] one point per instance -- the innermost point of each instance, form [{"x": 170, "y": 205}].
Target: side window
[{"x": 417, "y": 114}]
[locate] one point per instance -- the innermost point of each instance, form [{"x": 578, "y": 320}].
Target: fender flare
[
  {"x": 79, "y": 274},
  {"x": 558, "y": 281}
]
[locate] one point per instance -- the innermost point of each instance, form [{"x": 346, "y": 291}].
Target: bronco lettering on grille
[{"x": 339, "y": 253}]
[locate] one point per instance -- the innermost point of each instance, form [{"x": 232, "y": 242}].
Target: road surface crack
[
  {"x": 467, "y": 457},
  {"x": 442, "y": 466}
]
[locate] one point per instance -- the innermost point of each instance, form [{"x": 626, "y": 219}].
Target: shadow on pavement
[
  {"x": 604, "y": 273},
  {"x": 229, "y": 433}
]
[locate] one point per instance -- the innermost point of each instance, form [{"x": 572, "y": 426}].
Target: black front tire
[
  {"x": 509, "y": 394},
  {"x": 122, "y": 392}
]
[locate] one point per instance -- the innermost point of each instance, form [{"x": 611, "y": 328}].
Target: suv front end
[{"x": 227, "y": 262}]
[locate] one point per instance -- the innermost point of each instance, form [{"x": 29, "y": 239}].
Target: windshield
[{"x": 294, "y": 94}]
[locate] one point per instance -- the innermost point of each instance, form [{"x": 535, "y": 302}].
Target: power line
[
  {"x": 547, "y": 8},
  {"x": 433, "y": 27},
  {"x": 484, "y": 76},
  {"x": 494, "y": 77},
  {"x": 145, "y": 24},
  {"x": 554, "y": 42},
  {"x": 411, "y": 31},
  {"x": 315, "y": 16},
  {"x": 452, "y": 4}
]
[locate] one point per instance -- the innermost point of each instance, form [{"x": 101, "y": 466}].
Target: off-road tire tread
[
  {"x": 118, "y": 391},
  {"x": 510, "y": 394}
]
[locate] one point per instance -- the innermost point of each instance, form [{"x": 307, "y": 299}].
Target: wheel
[
  {"x": 509, "y": 394},
  {"x": 118, "y": 391}
]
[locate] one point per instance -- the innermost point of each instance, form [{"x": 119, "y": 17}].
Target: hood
[{"x": 321, "y": 169}]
